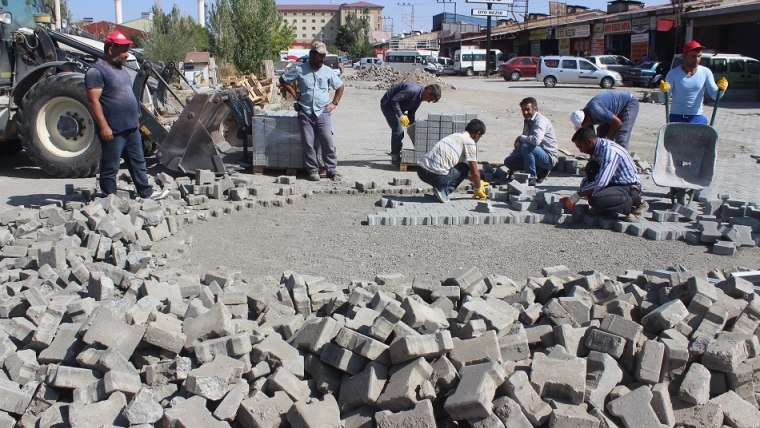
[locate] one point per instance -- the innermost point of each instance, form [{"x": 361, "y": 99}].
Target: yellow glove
[
  {"x": 480, "y": 194},
  {"x": 404, "y": 121},
  {"x": 723, "y": 84},
  {"x": 571, "y": 201},
  {"x": 664, "y": 86}
]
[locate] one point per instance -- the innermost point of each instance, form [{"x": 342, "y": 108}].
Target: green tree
[
  {"x": 65, "y": 12},
  {"x": 259, "y": 34},
  {"x": 173, "y": 35},
  {"x": 221, "y": 30},
  {"x": 353, "y": 36}
]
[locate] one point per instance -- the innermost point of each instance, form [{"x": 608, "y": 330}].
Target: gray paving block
[
  {"x": 363, "y": 388},
  {"x": 401, "y": 390},
  {"x": 475, "y": 392},
  {"x": 599, "y": 340},
  {"x": 634, "y": 408},
  {"x": 564, "y": 379},
  {"x": 426, "y": 346},
  {"x": 695, "y": 387},
  {"x": 323, "y": 413},
  {"x": 520, "y": 390},
  {"x": 421, "y": 415}
]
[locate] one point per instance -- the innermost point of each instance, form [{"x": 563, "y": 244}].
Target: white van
[
  {"x": 409, "y": 60},
  {"x": 471, "y": 61}
]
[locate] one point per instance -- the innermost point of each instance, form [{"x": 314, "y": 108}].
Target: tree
[
  {"x": 65, "y": 12},
  {"x": 259, "y": 34},
  {"x": 221, "y": 30},
  {"x": 173, "y": 35},
  {"x": 353, "y": 36}
]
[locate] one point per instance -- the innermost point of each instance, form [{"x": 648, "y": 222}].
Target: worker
[
  {"x": 535, "y": 150},
  {"x": 612, "y": 184},
  {"x": 399, "y": 105},
  {"x": 687, "y": 85},
  {"x": 116, "y": 113},
  {"x": 614, "y": 111},
  {"x": 451, "y": 160},
  {"x": 315, "y": 109}
]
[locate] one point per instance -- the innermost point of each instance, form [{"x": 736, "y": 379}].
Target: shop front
[
  {"x": 664, "y": 39},
  {"x": 542, "y": 42},
  {"x": 617, "y": 38},
  {"x": 574, "y": 40},
  {"x": 597, "y": 40}
]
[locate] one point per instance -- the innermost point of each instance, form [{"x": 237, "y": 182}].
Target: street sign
[
  {"x": 486, "y": 12},
  {"x": 491, "y": 1}
]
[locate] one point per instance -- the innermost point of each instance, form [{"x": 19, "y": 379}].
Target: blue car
[{"x": 644, "y": 73}]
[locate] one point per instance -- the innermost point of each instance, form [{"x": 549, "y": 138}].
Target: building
[
  {"x": 200, "y": 69},
  {"x": 320, "y": 22}
]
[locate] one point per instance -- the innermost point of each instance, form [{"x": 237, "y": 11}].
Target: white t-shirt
[{"x": 454, "y": 149}]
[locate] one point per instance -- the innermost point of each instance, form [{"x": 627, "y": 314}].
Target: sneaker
[
  {"x": 332, "y": 175},
  {"x": 161, "y": 195},
  {"x": 641, "y": 209},
  {"x": 532, "y": 182},
  {"x": 541, "y": 175},
  {"x": 314, "y": 176},
  {"x": 441, "y": 195}
]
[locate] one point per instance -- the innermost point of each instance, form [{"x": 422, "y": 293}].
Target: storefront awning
[{"x": 665, "y": 25}]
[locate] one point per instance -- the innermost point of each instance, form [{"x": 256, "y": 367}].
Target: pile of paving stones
[
  {"x": 389, "y": 76},
  {"x": 95, "y": 330}
]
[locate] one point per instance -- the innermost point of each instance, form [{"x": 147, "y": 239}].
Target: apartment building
[{"x": 315, "y": 22}]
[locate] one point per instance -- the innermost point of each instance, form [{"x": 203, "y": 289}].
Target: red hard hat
[
  {"x": 117, "y": 38},
  {"x": 692, "y": 45}
]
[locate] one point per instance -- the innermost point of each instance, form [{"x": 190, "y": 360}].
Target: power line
[{"x": 411, "y": 20}]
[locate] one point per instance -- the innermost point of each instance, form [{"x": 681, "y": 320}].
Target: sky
[{"x": 400, "y": 11}]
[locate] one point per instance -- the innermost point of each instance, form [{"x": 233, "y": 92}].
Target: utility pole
[
  {"x": 411, "y": 20},
  {"x": 444, "y": 8},
  {"x": 385, "y": 18}
]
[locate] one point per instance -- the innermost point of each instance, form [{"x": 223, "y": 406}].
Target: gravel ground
[{"x": 323, "y": 235}]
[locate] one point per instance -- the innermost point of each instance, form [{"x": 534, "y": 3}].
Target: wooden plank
[
  {"x": 260, "y": 169},
  {"x": 407, "y": 167},
  {"x": 269, "y": 68}
]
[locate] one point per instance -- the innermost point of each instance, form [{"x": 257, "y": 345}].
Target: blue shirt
[
  {"x": 615, "y": 167},
  {"x": 117, "y": 99},
  {"x": 603, "y": 106},
  {"x": 689, "y": 91},
  {"x": 403, "y": 97},
  {"x": 314, "y": 86}
]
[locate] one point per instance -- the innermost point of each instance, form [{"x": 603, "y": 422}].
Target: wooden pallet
[
  {"x": 405, "y": 167},
  {"x": 260, "y": 169}
]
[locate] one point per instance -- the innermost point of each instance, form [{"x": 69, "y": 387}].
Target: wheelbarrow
[{"x": 685, "y": 156}]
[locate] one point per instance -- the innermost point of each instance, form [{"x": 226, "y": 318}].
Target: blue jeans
[
  {"x": 529, "y": 158},
  {"x": 126, "y": 144},
  {"x": 685, "y": 118},
  {"x": 628, "y": 117},
  {"x": 397, "y": 131},
  {"x": 448, "y": 182},
  {"x": 317, "y": 130}
]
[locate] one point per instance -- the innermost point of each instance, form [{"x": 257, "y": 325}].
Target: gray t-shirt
[{"x": 119, "y": 103}]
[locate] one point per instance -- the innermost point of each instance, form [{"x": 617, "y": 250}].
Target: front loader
[{"x": 44, "y": 108}]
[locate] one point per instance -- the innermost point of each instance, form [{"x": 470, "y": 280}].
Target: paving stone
[
  {"x": 475, "y": 392},
  {"x": 602, "y": 375},
  {"x": 649, "y": 362},
  {"x": 598, "y": 340},
  {"x": 412, "y": 347},
  {"x": 561, "y": 378},
  {"x": 267, "y": 412},
  {"x": 689, "y": 415},
  {"x": 363, "y": 388},
  {"x": 634, "y": 408},
  {"x": 192, "y": 412},
  {"x": 420, "y": 416},
  {"x": 520, "y": 390},
  {"x": 401, "y": 390},
  {"x": 695, "y": 387},
  {"x": 96, "y": 415},
  {"x": 143, "y": 409},
  {"x": 323, "y": 413}
]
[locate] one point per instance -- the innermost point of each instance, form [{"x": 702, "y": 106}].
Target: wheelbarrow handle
[
  {"x": 715, "y": 109},
  {"x": 667, "y": 107}
]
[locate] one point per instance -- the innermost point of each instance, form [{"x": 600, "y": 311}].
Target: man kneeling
[
  {"x": 612, "y": 187},
  {"x": 451, "y": 160}
]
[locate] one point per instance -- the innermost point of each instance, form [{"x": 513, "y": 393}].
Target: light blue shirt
[
  {"x": 314, "y": 86},
  {"x": 688, "y": 91}
]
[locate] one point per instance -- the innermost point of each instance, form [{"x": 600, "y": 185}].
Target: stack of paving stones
[
  {"x": 725, "y": 224},
  {"x": 277, "y": 140},
  {"x": 96, "y": 332},
  {"x": 426, "y": 133}
]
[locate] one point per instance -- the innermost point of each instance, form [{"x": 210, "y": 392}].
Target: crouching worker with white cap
[
  {"x": 451, "y": 160},
  {"x": 612, "y": 184},
  {"x": 614, "y": 111}
]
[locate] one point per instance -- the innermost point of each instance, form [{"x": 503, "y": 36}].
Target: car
[
  {"x": 447, "y": 64},
  {"x": 644, "y": 73},
  {"x": 741, "y": 71},
  {"x": 519, "y": 66},
  {"x": 569, "y": 69},
  {"x": 367, "y": 62},
  {"x": 617, "y": 63}
]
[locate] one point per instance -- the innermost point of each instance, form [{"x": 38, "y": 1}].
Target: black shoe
[
  {"x": 532, "y": 182},
  {"x": 541, "y": 175},
  {"x": 396, "y": 160},
  {"x": 332, "y": 175}
]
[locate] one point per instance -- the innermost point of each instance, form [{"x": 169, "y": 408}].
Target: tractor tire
[{"x": 56, "y": 128}]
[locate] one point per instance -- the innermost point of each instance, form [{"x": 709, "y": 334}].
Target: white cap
[{"x": 577, "y": 118}]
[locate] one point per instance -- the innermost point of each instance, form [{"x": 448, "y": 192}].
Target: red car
[{"x": 519, "y": 66}]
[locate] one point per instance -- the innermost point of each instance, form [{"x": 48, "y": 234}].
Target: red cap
[
  {"x": 117, "y": 38},
  {"x": 692, "y": 45}
]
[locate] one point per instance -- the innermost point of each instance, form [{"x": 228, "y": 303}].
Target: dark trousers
[
  {"x": 448, "y": 182},
  {"x": 628, "y": 117},
  {"x": 126, "y": 144},
  {"x": 616, "y": 199},
  {"x": 397, "y": 131},
  {"x": 316, "y": 132}
]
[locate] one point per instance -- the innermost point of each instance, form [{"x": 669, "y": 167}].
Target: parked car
[
  {"x": 332, "y": 61},
  {"x": 519, "y": 66},
  {"x": 742, "y": 72},
  {"x": 367, "y": 63},
  {"x": 447, "y": 64},
  {"x": 568, "y": 69},
  {"x": 617, "y": 63},
  {"x": 644, "y": 73}
]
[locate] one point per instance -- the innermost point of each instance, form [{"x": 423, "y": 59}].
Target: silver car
[{"x": 569, "y": 69}]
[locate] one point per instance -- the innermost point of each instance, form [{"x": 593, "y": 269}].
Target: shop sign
[
  {"x": 639, "y": 46},
  {"x": 564, "y": 46},
  {"x": 640, "y": 25},
  {"x": 540, "y": 34},
  {"x": 617, "y": 27},
  {"x": 639, "y": 38},
  {"x": 597, "y": 46},
  {"x": 670, "y": 17},
  {"x": 573, "y": 31},
  {"x": 598, "y": 31}
]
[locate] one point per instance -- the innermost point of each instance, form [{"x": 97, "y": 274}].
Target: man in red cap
[
  {"x": 116, "y": 113},
  {"x": 687, "y": 85}
]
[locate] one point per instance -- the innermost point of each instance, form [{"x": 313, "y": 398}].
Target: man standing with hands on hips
[
  {"x": 116, "y": 113},
  {"x": 687, "y": 85},
  {"x": 315, "y": 108}
]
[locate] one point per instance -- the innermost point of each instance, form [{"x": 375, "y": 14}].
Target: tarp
[{"x": 665, "y": 25}]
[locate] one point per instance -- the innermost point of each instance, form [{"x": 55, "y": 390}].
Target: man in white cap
[
  {"x": 614, "y": 111},
  {"x": 116, "y": 113},
  {"x": 315, "y": 109}
]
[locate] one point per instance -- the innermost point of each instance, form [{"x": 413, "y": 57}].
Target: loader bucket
[{"x": 196, "y": 139}]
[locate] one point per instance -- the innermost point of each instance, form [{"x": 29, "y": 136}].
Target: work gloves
[
  {"x": 664, "y": 86},
  {"x": 722, "y": 84},
  {"x": 404, "y": 120},
  {"x": 481, "y": 192},
  {"x": 571, "y": 201}
]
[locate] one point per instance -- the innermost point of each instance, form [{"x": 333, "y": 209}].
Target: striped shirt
[
  {"x": 538, "y": 131},
  {"x": 616, "y": 168},
  {"x": 454, "y": 149}
]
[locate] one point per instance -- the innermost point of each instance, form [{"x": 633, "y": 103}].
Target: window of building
[
  {"x": 313, "y": 21},
  {"x": 303, "y": 13},
  {"x": 303, "y": 28},
  {"x": 323, "y": 14},
  {"x": 313, "y": 28},
  {"x": 313, "y": 35},
  {"x": 284, "y": 13},
  {"x": 303, "y": 36},
  {"x": 323, "y": 21},
  {"x": 313, "y": 13}
]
